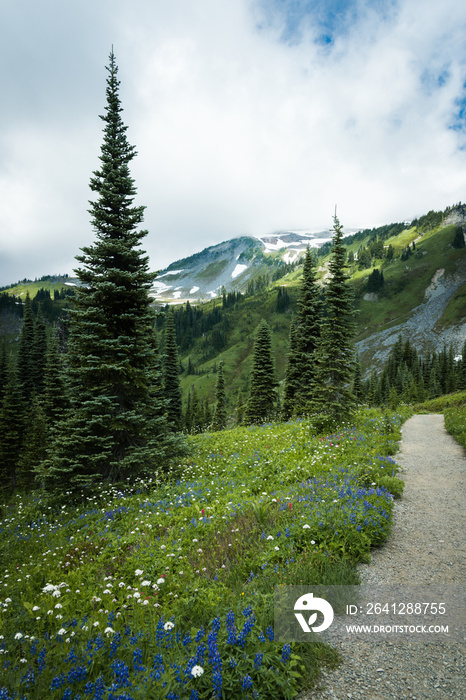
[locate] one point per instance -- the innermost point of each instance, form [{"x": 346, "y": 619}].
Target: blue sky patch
[
  {"x": 328, "y": 18},
  {"x": 458, "y": 122}
]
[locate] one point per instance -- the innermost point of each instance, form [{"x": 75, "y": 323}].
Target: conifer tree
[
  {"x": 220, "y": 413},
  {"x": 393, "y": 399},
  {"x": 308, "y": 333},
  {"x": 115, "y": 427},
  {"x": 336, "y": 356},
  {"x": 357, "y": 381},
  {"x": 207, "y": 413},
  {"x": 434, "y": 387},
  {"x": 171, "y": 375},
  {"x": 11, "y": 430},
  {"x": 384, "y": 388},
  {"x": 262, "y": 398},
  {"x": 34, "y": 443},
  {"x": 188, "y": 415},
  {"x": 25, "y": 362},
  {"x": 55, "y": 397},
  {"x": 3, "y": 367},
  {"x": 292, "y": 376},
  {"x": 39, "y": 352},
  {"x": 197, "y": 411},
  {"x": 372, "y": 392}
]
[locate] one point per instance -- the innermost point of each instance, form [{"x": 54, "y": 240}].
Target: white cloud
[{"x": 237, "y": 132}]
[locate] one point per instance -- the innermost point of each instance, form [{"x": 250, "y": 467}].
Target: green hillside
[
  {"x": 406, "y": 276},
  {"x": 406, "y": 256}
]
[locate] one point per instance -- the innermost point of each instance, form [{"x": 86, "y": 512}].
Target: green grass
[
  {"x": 454, "y": 311},
  {"x": 455, "y": 423},
  {"x": 132, "y": 585},
  {"x": 441, "y": 403},
  {"x": 406, "y": 282},
  {"x": 213, "y": 270},
  {"x": 20, "y": 290},
  {"x": 404, "y": 289},
  {"x": 453, "y": 407}
]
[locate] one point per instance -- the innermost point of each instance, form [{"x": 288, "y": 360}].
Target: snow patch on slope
[
  {"x": 272, "y": 245},
  {"x": 160, "y": 287},
  {"x": 170, "y": 272},
  {"x": 238, "y": 270}
]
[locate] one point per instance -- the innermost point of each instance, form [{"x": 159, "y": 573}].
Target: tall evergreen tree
[
  {"x": 25, "y": 363},
  {"x": 357, "y": 380},
  {"x": 292, "y": 376},
  {"x": 188, "y": 415},
  {"x": 115, "y": 427},
  {"x": 220, "y": 412},
  {"x": 12, "y": 423},
  {"x": 39, "y": 352},
  {"x": 197, "y": 411},
  {"x": 55, "y": 397},
  {"x": 3, "y": 367},
  {"x": 34, "y": 444},
  {"x": 308, "y": 332},
  {"x": 262, "y": 399},
  {"x": 207, "y": 414},
  {"x": 239, "y": 414},
  {"x": 171, "y": 375},
  {"x": 336, "y": 354}
]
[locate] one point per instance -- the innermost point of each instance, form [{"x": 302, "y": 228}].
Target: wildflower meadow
[{"x": 165, "y": 589}]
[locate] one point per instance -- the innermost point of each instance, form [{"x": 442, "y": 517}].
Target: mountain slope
[
  {"x": 423, "y": 297},
  {"x": 232, "y": 264}
]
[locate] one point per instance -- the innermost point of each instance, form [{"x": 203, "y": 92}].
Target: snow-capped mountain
[{"x": 232, "y": 264}]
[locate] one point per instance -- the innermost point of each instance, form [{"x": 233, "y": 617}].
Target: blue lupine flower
[
  {"x": 247, "y": 683},
  {"x": 76, "y": 674},
  {"x": 231, "y": 628},
  {"x": 58, "y": 681},
  {"x": 200, "y": 654},
  {"x": 41, "y": 661},
  {"x": 286, "y": 653},
  {"x": 217, "y": 683},
  {"x": 258, "y": 659},
  {"x": 121, "y": 673},
  {"x": 137, "y": 658}
]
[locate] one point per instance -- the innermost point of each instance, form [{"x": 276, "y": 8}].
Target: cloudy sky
[{"x": 249, "y": 116}]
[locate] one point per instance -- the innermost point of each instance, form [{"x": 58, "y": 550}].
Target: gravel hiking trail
[{"x": 426, "y": 546}]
